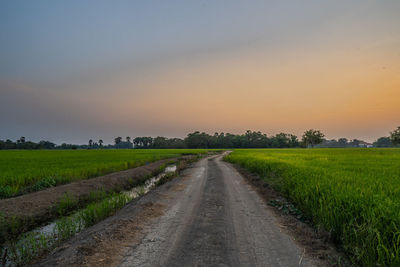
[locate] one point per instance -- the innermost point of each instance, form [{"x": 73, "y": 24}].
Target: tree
[
  {"x": 90, "y": 143},
  {"x": 282, "y": 140},
  {"x": 160, "y": 142},
  {"x": 198, "y": 140},
  {"x": 128, "y": 139},
  {"x": 293, "y": 142},
  {"x": 355, "y": 143},
  {"x": 395, "y": 136},
  {"x": 383, "y": 142},
  {"x": 101, "y": 143},
  {"x": 46, "y": 145},
  {"x": 118, "y": 140},
  {"x": 176, "y": 143},
  {"x": 279, "y": 140},
  {"x": 313, "y": 137},
  {"x": 22, "y": 139},
  {"x": 254, "y": 139},
  {"x": 10, "y": 144},
  {"x": 343, "y": 142}
]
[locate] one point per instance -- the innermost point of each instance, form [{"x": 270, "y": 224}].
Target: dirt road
[
  {"x": 208, "y": 216},
  {"x": 217, "y": 220}
]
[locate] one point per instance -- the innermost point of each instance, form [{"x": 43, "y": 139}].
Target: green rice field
[
  {"x": 32, "y": 170},
  {"x": 352, "y": 193}
]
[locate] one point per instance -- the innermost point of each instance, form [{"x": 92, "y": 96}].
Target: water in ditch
[
  {"x": 133, "y": 193},
  {"x": 47, "y": 233}
]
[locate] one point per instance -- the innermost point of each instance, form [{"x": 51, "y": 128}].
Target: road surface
[{"x": 214, "y": 218}]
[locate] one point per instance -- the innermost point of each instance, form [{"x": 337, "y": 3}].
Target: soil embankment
[{"x": 39, "y": 207}]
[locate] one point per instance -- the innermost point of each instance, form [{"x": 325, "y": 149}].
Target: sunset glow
[{"x": 168, "y": 69}]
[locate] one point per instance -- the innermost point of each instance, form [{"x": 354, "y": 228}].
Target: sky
[{"x": 71, "y": 71}]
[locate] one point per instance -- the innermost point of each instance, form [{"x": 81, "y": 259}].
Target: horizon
[
  {"x": 74, "y": 71},
  {"x": 111, "y": 142}
]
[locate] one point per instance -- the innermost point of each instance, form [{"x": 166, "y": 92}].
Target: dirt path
[
  {"x": 218, "y": 220},
  {"x": 207, "y": 217}
]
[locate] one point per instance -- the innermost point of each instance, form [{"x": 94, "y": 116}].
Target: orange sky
[
  {"x": 343, "y": 91},
  {"x": 172, "y": 69}
]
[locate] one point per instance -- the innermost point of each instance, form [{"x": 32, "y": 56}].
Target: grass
[
  {"x": 68, "y": 203},
  {"x": 352, "y": 193},
  {"x": 23, "y": 171},
  {"x": 33, "y": 244},
  {"x": 22, "y": 248},
  {"x": 11, "y": 228}
]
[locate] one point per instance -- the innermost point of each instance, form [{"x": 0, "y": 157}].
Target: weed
[
  {"x": 42, "y": 184},
  {"x": 10, "y": 228},
  {"x": 288, "y": 208},
  {"x": 66, "y": 204},
  {"x": 165, "y": 178},
  {"x": 67, "y": 227},
  {"x": 6, "y": 191},
  {"x": 141, "y": 191},
  {"x": 31, "y": 245},
  {"x": 98, "y": 211}
]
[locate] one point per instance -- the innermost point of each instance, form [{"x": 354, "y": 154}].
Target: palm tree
[
  {"x": 90, "y": 143},
  {"x": 101, "y": 143}
]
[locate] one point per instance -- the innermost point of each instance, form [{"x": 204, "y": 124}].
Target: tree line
[
  {"x": 249, "y": 139},
  {"x": 21, "y": 143}
]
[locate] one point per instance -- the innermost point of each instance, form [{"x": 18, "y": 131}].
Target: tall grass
[
  {"x": 24, "y": 171},
  {"x": 353, "y": 193}
]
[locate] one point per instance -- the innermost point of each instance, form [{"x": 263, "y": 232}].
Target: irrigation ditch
[{"x": 27, "y": 237}]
